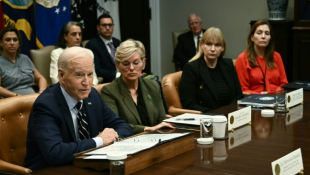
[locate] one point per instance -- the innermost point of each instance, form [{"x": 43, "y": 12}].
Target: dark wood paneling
[
  {"x": 301, "y": 54},
  {"x": 135, "y": 24}
]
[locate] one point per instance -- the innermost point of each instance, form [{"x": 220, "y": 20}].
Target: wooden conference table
[{"x": 250, "y": 152}]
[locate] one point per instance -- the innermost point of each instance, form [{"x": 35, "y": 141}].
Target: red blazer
[{"x": 252, "y": 79}]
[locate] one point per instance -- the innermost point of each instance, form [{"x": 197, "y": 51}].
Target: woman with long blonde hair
[{"x": 209, "y": 81}]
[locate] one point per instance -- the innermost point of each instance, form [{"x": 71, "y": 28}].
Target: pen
[
  {"x": 185, "y": 119},
  {"x": 305, "y": 84},
  {"x": 257, "y": 107}
]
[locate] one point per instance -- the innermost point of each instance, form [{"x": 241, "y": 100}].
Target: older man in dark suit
[
  {"x": 70, "y": 116},
  {"x": 187, "y": 46},
  {"x": 103, "y": 47}
]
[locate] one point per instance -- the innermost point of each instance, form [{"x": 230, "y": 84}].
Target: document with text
[{"x": 139, "y": 143}]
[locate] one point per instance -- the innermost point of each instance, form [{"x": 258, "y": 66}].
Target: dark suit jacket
[
  {"x": 197, "y": 90},
  {"x": 51, "y": 137},
  {"x": 117, "y": 96},
  {"x": 185, "y": 49},
  {"x": 104, "y": 63}
]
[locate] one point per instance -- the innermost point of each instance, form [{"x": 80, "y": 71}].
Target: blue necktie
[
  {"x": 82, "y": 122},
  {"x": 110, "y": 44}
]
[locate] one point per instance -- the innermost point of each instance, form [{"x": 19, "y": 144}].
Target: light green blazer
[{"x": 117, "y": 96}]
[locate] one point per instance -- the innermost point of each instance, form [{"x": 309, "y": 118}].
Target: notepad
[
  {"x": 137, "y": 144},
  {"x": 197, "y": 117}
]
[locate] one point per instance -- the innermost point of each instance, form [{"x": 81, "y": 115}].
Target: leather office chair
[
  {"x": 170, "y": 86},
  {"x": 234, "y": 62},
  {"x": 84, "y": 43},
  {"x": 41, "y": 59},
  {"x": 175, "y": 35},
  {"x": 14, "y": 114},
  {"x": 98, "y": 87}
]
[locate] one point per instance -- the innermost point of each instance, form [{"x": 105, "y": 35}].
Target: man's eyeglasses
[
  {"x": 135, "y": 64},
  {"x": 194, "y": 23},
  {"x": 106, "y": 25}
]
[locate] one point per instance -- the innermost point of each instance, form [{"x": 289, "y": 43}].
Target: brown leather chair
[
  {"x": 98, "y": 87},
  {"x": 41, "y": 59},
  {"x": 170, "y": 86},
  {"x": 14, "y": 115},
  {"x": 175, "y": 35}
]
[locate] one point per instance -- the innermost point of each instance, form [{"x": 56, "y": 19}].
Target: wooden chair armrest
[
  {"x": 12, "y": 168},
  {"x": 246, "y": 94},
  {"x": 178, "y": 111}
]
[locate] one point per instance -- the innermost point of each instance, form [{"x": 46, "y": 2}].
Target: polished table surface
[{"x": 265, "y": 141}]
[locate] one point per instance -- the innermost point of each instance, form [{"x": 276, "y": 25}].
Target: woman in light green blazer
[{"x": 133, "y": 98}]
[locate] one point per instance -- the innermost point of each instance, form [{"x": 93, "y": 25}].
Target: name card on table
[
  {"x": 239, "y": 137},
  {"x": 294, "y": 114},
  {"x": 239, "y": 118},
  {"x": 289, "y": 164},
  {"x": 295, "y": 97}
]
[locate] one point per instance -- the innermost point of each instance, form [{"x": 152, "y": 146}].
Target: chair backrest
[
  {"x": 175, "y": 35},
  {"x": 84, "y": 43},
  {"x": 14, "y": 115},
  {"x": 170, "y": 86},
  {"x": 234, "y": 62},
  {"x": 41, "y": 59},
  {"x": 98, "y": 87}
]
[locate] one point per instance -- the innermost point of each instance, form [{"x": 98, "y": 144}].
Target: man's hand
[{"x": 108, "y": 135}]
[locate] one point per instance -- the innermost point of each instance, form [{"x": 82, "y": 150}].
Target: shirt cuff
[
  {"x": 99, "y": 141},
  {"x": 118, "y": 74}
]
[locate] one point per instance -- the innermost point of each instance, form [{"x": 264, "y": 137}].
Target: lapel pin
[
  {"x": 89, "y": 103},
  {"x": 149, "y": 97}
]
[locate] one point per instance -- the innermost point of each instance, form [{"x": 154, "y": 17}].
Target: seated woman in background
[
  {"x": 209, "y": 81},
  {"x": 70, "y": 35},
  {"x": 133, "y": 98},
  {"x": 260, "y": 69},
  {"x": 17, "y": 72}
]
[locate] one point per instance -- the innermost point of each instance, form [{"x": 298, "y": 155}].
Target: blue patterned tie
[
  {"x": 82, "y": 122},
  {"x": 110, "y": 44}
]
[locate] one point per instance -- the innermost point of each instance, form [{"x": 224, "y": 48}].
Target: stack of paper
[{"x": 191, "y": 119}]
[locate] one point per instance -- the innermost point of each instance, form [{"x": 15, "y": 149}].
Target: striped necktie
[
  {"x": 110, "y": 44},
  {"x": 82, "y": 122}
]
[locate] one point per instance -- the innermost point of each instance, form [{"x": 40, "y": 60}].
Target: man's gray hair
[
  {"x": 71, "y": 53},
  {"x": 192, "y": 15}
]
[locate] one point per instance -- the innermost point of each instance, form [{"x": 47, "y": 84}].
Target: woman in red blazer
[{"x": 260, "y": 69}]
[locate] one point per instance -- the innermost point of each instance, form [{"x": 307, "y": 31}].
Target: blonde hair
[
  {"x": 127, "y": 48},
  {"x": 210, "y": 34}
]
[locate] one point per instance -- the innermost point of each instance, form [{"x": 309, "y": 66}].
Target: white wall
[{"x": 231, "y": 16}]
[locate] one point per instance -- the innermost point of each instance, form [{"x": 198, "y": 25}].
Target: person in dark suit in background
[
  {"x": 103, "y": 47},
  {"x": 58, "y": 127},
  {"x": 187, "y": 45},
  {"x": 209, "y": 81}
]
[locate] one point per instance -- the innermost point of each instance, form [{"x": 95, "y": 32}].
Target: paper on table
[
  {"x": 197, "y": 118},
  {"x": 136, "y": 144},
  {"x": 97, "y": 157}
]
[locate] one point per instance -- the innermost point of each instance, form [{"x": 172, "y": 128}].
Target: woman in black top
[{"x": 209, "y": 81}]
